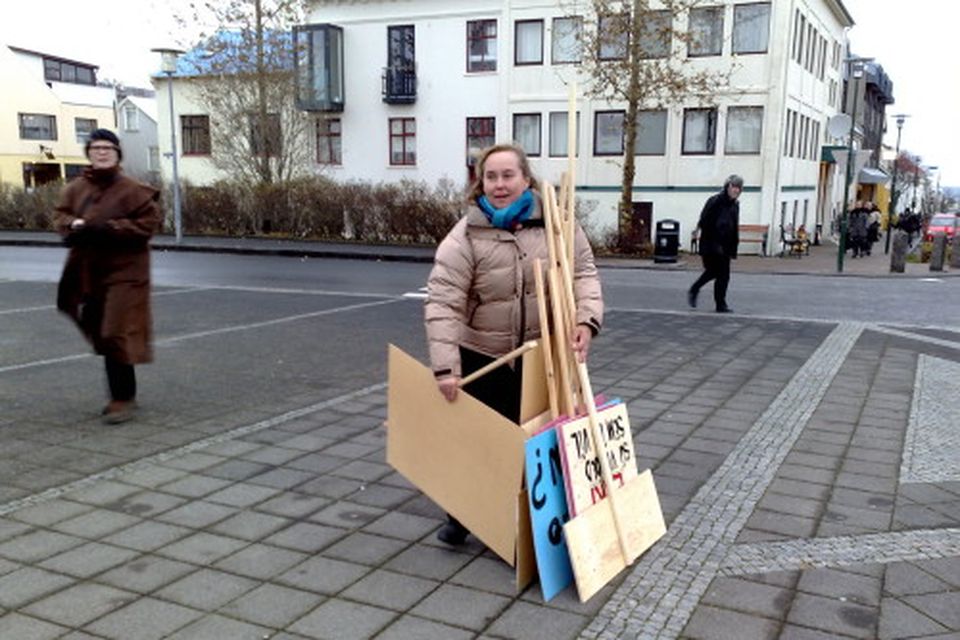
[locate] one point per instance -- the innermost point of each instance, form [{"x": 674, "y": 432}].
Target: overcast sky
[{"x": 916, "y": 42}]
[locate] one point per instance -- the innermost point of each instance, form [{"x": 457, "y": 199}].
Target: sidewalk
[{"x": 821, "y": 261}]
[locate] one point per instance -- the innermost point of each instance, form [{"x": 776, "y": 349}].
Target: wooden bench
[{"x": 754, "y": 233}]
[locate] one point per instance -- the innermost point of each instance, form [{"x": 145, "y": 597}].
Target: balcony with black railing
[{"x": 399, "y": 85}]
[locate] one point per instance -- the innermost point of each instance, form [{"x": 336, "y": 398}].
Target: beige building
[{"x": 50, "y": 106}]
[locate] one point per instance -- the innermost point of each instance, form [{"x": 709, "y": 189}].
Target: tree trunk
[
  {"x": 264, "y": 160},
  {"x": 630, "y": 237}
]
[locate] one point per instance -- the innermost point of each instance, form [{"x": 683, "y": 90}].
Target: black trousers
[
  {"x": 121, "y": 379},
  {"x": 715, "y": 268}
]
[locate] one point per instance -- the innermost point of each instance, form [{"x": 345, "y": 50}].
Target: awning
[{"x": 870, "y": 175}]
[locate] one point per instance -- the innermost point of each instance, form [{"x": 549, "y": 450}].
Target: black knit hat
[{"x": 106, "y": 135}]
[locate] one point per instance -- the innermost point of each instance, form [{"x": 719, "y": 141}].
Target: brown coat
[
  {"x": 481, "y": 292},
  {"x": 105, "y": 286}
]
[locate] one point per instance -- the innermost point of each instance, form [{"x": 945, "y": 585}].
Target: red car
[{"x": 945, "y": 223}]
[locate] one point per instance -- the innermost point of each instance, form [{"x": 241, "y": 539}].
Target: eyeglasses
[{"x": 102, "y": 147}]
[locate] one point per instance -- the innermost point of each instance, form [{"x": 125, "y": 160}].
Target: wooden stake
[
  {"x": 545, "y": 337},
  {"x": 502, "y": 360}
]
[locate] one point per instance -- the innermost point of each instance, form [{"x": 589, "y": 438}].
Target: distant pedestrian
[
  {"x": 719, "y": 237},
  {"x": 107, "y": 220},
  {"x": 873, "y": 225},
  {"x": 857, "y": 229}
]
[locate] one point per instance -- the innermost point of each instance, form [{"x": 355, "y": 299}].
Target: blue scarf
[{"x": 511, "y": 215}]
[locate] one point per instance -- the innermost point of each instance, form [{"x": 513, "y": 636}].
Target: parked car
[{"x": 945, "y": 223}]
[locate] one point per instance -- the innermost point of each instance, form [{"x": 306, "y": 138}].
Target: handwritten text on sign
[{"x": 584, "y": 478}]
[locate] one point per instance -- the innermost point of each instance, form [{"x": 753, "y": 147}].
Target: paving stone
[
  {"x": 307, "y": 537},
  {"x": 195, "y": 486},
  {"x": 898, "y": 620},
  {"x": 414, "y": 628},
  {"x": 215, "y": 627},
  {"x": 242, "y": 494},
  {"x": 364, "y": 548},
  {"x": 237, "y": 470},
  {"x": 721, "y": 624},
  {"x": 260, "y": 561},
  {"x": 145, "y": 574},
  {"x": 79, "y": 604},
  {"x": 461, "y": 607},
  {"x": 341, "y": 620},
  {"x": 17, "y": 626},
  {"x": 281, "y": 478},
  {"x": 402, "y": 525},
  {"x": 197, "y": 514},
  {"x": 783, "y": 524},
  {"x": 800, "y": 489},
  {"x": 201, "y": 548},
  {"x": 88, "y": 560},
  {"x": 390, "y": 590},
  {"x": 322, "y": 575},
  {"x": 842, "y": 585},
  {"x": 96, "y": 524},
  {"x": 346, "y": 514},
  {"x": 207, "y": 589},
  {"x": 148, "y": 535},
  {"x": 903, "y": 578},
  {"x": 790, "y": 505},
  {"x": 37, "y": 545},
  {"x": 942, "y": 607},
  {"x": 833, "y": 615},
  {"x": 275, "y": 456},
  {"x": 430, "y": 562},
  {"x": 487, "y": 574},
  {"x": 145, "y": 619},
  {"x": 27, "y": 584},
  {"x": 10, "y": 529},
  {"x": 293, "y": 504},
  {"x": 146, "y": 503},
  {"x": 250, "y": 525},
  {"x": 272, "y": 605},
  {"x": 103, "y": 493},
  {"x": 748, "y": 597},
  {"x": 525, "y": 621},
  {"x": 947, "y": 569},
  {"x": 920, "y": 517},
  {"x": 331, "y": 487},
  {"x": 793, "y": 632},
  {"x": 378, "y": 495},
  {"x": 50, "y": 512}
]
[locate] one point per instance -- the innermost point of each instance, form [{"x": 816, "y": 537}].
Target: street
[{"x": 250, "y": 498}]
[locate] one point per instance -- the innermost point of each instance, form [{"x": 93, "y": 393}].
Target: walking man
[{"x": 719, "y": 237}]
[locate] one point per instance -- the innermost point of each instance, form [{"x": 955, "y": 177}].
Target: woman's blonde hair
[{"x": 476, "y": 189}]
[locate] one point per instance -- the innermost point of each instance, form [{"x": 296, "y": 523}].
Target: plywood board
[
  {"x": 581, "y": 465},
  {"x": 463, "y": 455}
]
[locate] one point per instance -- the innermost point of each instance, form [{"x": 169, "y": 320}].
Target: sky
[{"x": 915, "y": 42}]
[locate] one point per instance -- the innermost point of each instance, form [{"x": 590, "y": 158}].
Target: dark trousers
[
  {"x": 121, "y": 379},
  {"x": 715, "y": 268}
]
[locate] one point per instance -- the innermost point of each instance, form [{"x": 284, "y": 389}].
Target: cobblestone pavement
[{"x": 808, "y": 472}]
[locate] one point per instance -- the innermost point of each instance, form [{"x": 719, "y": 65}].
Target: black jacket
[{"x": 719, "y": 226}]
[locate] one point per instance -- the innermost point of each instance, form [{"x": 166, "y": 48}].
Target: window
[
  {"x": 613, "y": 31},
  {"x": 608, "y": 133},
  {"x": 328, "y": 141},
  {"x": 481, "y": 45},
  {"x": 318, "y": 64},
  {"x": 744, "y": 130},
  {"x": 403, "y": 141},
  {"x": 401, "y": 43},
  {"x": 558, "y": 134},
  {"x": 195, "y": 135},
  {"x": 61, "y": 71},
  {"x": 655, "y": 35},
  {"x": 566, "y": 40},
  {"x": 528, "y": 42},
  {"x": 651, "y": 133},
  {"x": 130, "y": 117},
  {"x": 272, "y": 136},
  {"x": 699, "y": 131},
  {"x": 481, "y": 133},
  {"x": 793, "y": 134},
  {"x": 751, "y": 27},
  {"x": 84, "y": 127},
  {"x": 526, "y": 131},
  {"x": 798, "y": 21},
  {"x": 37, "y": 126},
  {"x": 706, "y": 31}
]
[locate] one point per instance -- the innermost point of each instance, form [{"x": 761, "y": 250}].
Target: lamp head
[{"x": 168, "y": 59}]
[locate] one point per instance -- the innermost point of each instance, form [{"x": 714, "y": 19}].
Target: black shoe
[
  {"x": 453, "y": 533},
  {"x": 724, "y": 309},
  {"x": 692, "y": 298}
]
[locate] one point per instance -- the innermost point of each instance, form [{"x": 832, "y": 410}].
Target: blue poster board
[{"x": 548, "y": 512}]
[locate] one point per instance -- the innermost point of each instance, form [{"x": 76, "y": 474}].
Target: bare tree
[
  {"x": 644, "y": 54},
  {"x": 245, "y": 78}
]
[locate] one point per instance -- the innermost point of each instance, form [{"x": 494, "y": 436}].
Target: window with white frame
[
  {"x": 744, "y": 130},
  {"x": 329, "y": 147},
  {"x": 403, "y": 141},
  {"x": 559, "y": 130},
  {"x": 528, "y": 42},
  {"x": 565, "y": 45},
  {"x": 481, "y": 45},
  {"x": 612, "y": 36},
  {"x": 751, "y": 27},
  {"x": 655, "y": 34},
  {"x": 651, "y": 132},
  {"x": 608, "y": 133},
  {"x": 37, "y": 126},
  {"x": 130, "y": 117},
  {"x": 84, "y": 127},
  {"x": 706, "y": 31},
  {"x": 699, "y": 131},
  {"x": 526, "y": 132}
]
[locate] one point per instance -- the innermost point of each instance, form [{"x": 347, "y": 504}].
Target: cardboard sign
[
  {"x": 548, "y": 512},
  {"x": 581, "y": 467}
]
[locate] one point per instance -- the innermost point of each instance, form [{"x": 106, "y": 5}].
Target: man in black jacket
[{"x": 719, "y": 237}]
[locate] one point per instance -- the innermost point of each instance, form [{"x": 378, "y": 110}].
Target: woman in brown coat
[
  {"x": 107, "y": 220},
  {"x": 481, "y": 299}
]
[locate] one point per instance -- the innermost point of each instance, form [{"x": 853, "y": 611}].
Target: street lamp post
[
  {"x": 893, "y": 189},
  {"x": 916, "y": 183},
  {"x": 168, "y": 65},
  {"x": 857, "y": 72}
]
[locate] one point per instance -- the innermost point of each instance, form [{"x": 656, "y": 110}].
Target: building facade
[
  {"x": 137, "y": 130},
  {"x": 50, "y": 106}
]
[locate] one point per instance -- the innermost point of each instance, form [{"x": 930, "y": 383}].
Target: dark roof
[
  {"x": 53, "y": 57},
  {"x": 233, "y": 52}
]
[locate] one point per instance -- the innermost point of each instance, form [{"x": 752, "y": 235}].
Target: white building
[
  {"x": 138, "y": 137},
  {"x": 407, "y": 88}
]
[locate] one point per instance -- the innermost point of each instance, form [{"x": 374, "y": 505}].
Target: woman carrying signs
[{"x": 481, "y": 299}]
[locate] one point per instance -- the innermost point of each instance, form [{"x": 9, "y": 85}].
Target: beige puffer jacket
[{"x": 481, "y": 292}]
